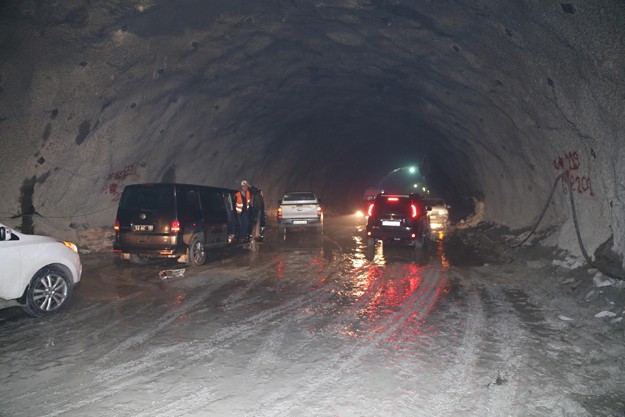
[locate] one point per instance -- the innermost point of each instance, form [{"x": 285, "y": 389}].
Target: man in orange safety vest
[{"x": 242, "y": 208}]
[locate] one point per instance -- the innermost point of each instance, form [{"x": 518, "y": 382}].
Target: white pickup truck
[{"x": 301, "y": 209}]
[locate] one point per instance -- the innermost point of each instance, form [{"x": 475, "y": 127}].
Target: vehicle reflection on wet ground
[{"x": 303, "y": 326}]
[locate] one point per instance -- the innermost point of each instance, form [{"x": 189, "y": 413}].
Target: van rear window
[{"x": 148, "y": 198}]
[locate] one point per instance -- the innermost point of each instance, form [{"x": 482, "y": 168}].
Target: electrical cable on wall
[
  {"x": 542, "y": 214},
  {"x": 577, "y": 228},
  {"x": 581, "y": 243}
]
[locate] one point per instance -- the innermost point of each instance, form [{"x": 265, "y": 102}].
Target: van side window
[
  {"x": 213, "y": 205},
  {"x": 188, "y": 204}
]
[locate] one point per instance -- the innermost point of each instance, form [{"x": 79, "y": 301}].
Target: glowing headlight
[
  {"x": 435, "y": 225},
  {"x": 71, "y": 246},
  {"x": 360, "y": 214}
]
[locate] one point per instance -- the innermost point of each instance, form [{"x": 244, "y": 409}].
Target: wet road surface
[{"x": 303, "y": 327}]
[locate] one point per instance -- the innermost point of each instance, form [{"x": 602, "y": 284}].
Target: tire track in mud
[
  {"x": 163, "y": 322},
  {"x": 453, "y": 388},
  {"x": 268, "y": 352},
  {"x": 346, "y": 359},
  {"x": 556, "y": 374},
  {"x": 192, "y": 402},
  {"x": 235, "y": 334},
  {"x": 154, "y": 364},
  {"x": 479, "y": 378},
  {"x": 166, "y": 320},
  {"x": 231, "y": 335},
  {"x": 509, "y": 334},
  {"x": 403, "y": 354},
  {"x": 479, "y": 375}
]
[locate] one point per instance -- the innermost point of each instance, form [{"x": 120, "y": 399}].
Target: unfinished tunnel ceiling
[{"x": 324, "y": 95}]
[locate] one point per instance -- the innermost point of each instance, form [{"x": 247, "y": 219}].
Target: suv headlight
[{"x": 71, "y": 246}]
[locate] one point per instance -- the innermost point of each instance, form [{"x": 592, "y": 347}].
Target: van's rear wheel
[{"x": 197, "y": 252}]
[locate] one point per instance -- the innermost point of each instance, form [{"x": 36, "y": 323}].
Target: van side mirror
[{"x": 3, "y": 233}]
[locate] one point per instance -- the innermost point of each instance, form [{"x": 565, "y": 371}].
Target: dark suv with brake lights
[
  {"x": 398, "y": 218},
  {"x": 173, "y": 221}
]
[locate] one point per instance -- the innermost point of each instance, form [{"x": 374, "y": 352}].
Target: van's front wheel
[{"x": 197, "y": 252}]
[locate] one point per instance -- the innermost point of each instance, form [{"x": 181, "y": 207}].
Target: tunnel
[{"x": 493, "y": 102}]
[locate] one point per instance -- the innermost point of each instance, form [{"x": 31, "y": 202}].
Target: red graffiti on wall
[
  {"x": 114, "y": 181},
  {"x": 570, "y": 164}
]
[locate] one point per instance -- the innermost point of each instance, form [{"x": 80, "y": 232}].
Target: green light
[{"x": 412, "y": 170}]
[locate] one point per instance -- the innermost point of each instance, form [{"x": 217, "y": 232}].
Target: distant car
[
  {"x": 438, "y": 212},
  {"x": 180, "y": 221},
  {"x": 299, "y": 209},
  {"x": 361, "y": 211},
  {"x": 38, "y": 272},
  {"x": 398, "y": 219}
]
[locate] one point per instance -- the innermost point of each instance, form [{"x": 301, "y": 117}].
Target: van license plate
[
  {"x": 300, "y": 221},
  {"x": 390, "y": 223},
  {"x": 142, "y": 227}
]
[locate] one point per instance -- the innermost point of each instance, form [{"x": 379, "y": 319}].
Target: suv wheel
[
  {"x": 49, "y": 291},
  {"x": 421, "y": 250},
  {"x": 419, "y": 243},
  {"x": 370, "y": 253},
  {"x": 197, "y": 252}
]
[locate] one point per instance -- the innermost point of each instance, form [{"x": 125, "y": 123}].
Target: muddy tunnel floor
[{"x": 308, "y": 327}]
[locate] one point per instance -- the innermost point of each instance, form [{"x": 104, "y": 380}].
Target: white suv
[
  {"x": 438, "y": 212},
  {"x": 38, "y": 272}
]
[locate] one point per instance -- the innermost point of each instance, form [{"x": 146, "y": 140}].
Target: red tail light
[
  {"x": 279, "y": 212},
  {"x": 116, "y": 227},
  {"x": 370, "y": 211},
  {"x": 415, "y": 211},
  {"x": 175, "y": 226},
  {"x": 319, "y": 211}
]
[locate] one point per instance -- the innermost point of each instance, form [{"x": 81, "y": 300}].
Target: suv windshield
[
  {"x": 148, "y": 198},
  {"x": 299, "y": 197}
]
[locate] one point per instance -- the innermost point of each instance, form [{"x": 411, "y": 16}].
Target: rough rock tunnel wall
[{"x": 498, "y": 99}]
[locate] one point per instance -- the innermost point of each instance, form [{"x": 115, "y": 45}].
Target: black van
[{"x": 173, "y": 221}]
